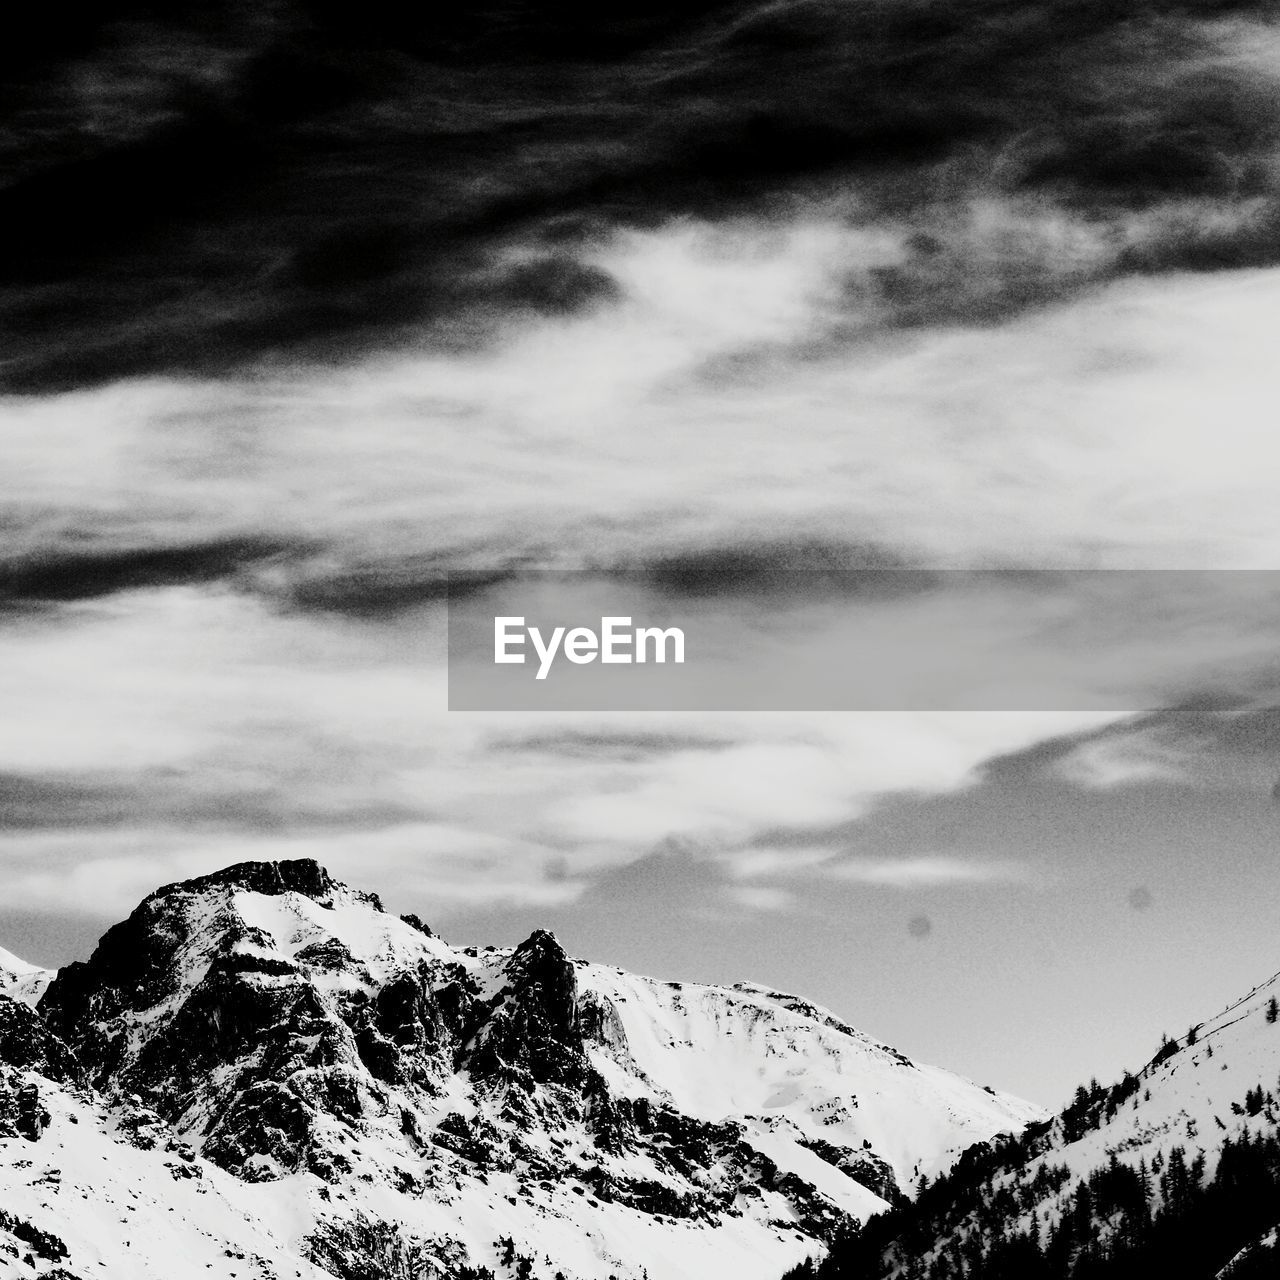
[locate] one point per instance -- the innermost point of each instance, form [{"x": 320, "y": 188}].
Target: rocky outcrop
[
  {"x": 530, "y": 1033},
  {"x": 29, "y": 1054},
  {"x": 30, "y": 1242},
  {"x": 863, "y": 1167},
  {"x": 27, "y": 1043}
]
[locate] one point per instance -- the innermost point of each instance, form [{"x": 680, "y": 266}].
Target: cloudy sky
[{"x": 247, "y": 437}]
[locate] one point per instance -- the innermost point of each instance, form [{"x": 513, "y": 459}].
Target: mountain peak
[
  {"x": 272, "y": 879},
  {"x": 282, "y": 1025},
  {"x": 533, "y": 1030},
  {"x": 541, "y": 942}
]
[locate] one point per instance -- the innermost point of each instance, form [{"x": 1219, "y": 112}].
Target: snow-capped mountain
[
  {"x": 1174, "y": 1170},
  {"x": 263, "y": 1073},
  {"x": 20, "y": 980}
]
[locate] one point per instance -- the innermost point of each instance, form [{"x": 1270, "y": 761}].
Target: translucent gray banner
[{"x": 861, "y": 640}]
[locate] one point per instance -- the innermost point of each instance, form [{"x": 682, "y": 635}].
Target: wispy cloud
[
  {"x": 761, "y": 897},
  {"x": 1136, "y": 758},
  {"x": 372, "y": 480},
  {"x": 450, "y": 869},
  {"x": 207, "y": 725},
  {"x": 929, "y": 871},
  {"x": 184, "y": 727}
]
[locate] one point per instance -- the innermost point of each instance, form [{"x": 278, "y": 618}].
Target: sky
[
  {"x": 1027, "y": 896},
  {"x": 224, "y": 541}
]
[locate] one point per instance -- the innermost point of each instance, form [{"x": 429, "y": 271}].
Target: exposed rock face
[
  {"x": 28, "y": 1048},
  {"x": 22, "y": 1114},
  {"x": 40, "y": 1245},
  {"x": 28, "y": 1043},
  {"x": 530, "y": 1032},
  {"x": 274, "y": 1022},
  {"x": 200, "y": 1012}
]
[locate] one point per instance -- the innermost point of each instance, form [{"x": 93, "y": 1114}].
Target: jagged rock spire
[{"x": 533, "y": 1030}]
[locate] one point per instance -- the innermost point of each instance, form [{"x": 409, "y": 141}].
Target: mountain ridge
[
  {"x": 1173, "y": 1169},
  {"x": 392, "y": 1103}
]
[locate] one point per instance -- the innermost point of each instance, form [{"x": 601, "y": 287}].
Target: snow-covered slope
[
  {"x": 112, "y": 1192},
  {"x": 295, "y": 1079},
  {"x": 790, "y": 1070},
  {"x": 20, "y": 980},
  {"x": 107, "y": 1193},
  {"x": 1172, "y": 1170},
  {"x": 1192, "y": 1094}
]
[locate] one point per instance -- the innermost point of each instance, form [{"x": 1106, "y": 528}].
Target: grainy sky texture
[{"x": 293, "y": 333}]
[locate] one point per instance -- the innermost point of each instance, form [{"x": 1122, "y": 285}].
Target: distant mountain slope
[
  {"x": 333, "y": 1090},
  {"x": 20, "y": 980},
  {"x": 1173, "y": 1171},
  {"x": 1256, "y": 1260}
]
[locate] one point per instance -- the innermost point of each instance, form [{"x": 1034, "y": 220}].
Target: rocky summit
[{"x": 264, "y": 1073}]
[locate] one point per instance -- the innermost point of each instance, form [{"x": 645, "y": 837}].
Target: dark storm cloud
[
  {"x": 792, "y": 568},
  {"x": 312, "y": 179},
  {"x": 786, "y": 567},
  {"x": 630, "y": 745},
  {"x": 56, "y": 574},
  {"x": 384, "y": 588},
  {"x": 52, "y": 802},
  {"x": 180, "y": 801},
  {"x": 293, "y": 575}
]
